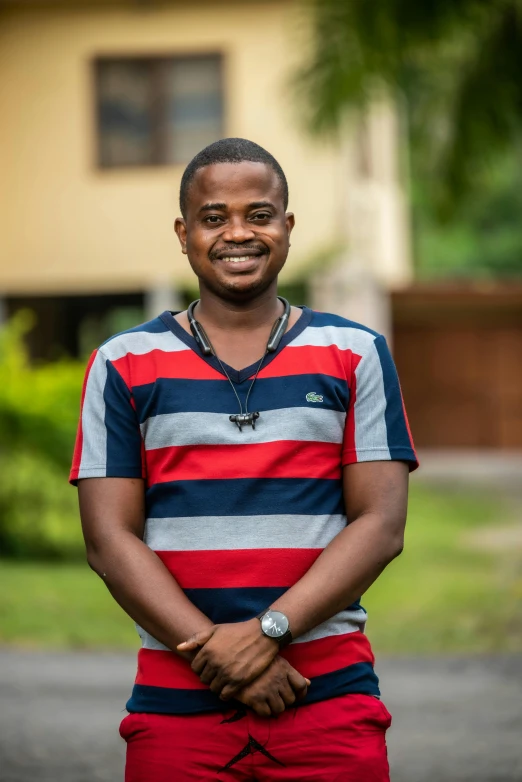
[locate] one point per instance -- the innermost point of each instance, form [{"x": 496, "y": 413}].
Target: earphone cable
[{"x": 232, "y": 385}]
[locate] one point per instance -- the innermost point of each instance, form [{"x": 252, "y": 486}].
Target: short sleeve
[
  {"x": 108, "y": 442},
  {"x": 376, "y": 427}
]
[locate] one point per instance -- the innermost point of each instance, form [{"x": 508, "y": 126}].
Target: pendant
[{"x": 242, "y": 419}]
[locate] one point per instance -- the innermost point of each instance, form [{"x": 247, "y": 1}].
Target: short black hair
[{"x": 229, "y": 150}]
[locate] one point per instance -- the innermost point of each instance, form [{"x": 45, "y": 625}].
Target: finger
[
  {"x": 196, "y": 640},
  {"x": 199, "y": 662},
  {"x": 298, "y": 683},
  {"x": 209, "y": 676},
  {"x": 276, "y": 703},
  {"x": 217, "y": 684},
  {"x": 287, "y": 694},
  {"x": 229, "y": 690},
  {"x": 261, "y": 708}
]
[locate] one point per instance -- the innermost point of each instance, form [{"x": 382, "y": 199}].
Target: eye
[
  {"x": 261, "y": 216},
  {"x": 213, "y": 219}
]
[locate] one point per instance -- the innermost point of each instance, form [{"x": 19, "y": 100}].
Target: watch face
[{"x": 274, "y": 624}]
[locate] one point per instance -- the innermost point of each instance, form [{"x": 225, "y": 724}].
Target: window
[{"x": 157, "y": 111}]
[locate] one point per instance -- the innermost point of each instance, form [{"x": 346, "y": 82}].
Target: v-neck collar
[{"x": 236, "y": 375}]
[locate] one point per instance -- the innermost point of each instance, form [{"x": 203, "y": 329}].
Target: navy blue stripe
[
  {"x": 233, "y": 604},
  {"x": 359, "y": 678},
  {"x": 320, "y": 319},
  {"x": 245, "y": 497},
  {"x": 123, "y": 433},
  {"x": 174, "y": 395},
  {"x": 356, "y": 679},
  {"x": 398, "y": 437},
  {"x": 238, "y": 604},
  {"x": 166, "y": 700}
]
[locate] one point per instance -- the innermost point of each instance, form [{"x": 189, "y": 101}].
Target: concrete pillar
[
  {"x": 348, "y": 290},
  {"x": 160, "y": 296}
]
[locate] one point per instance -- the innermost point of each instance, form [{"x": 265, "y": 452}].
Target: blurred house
[{"x": 103, "y": 104}]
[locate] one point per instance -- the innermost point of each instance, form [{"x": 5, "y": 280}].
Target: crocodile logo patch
[{"x": 313, "y": 397}]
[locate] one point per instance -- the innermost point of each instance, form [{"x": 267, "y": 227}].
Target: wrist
[{"x": 264, "y": 641}]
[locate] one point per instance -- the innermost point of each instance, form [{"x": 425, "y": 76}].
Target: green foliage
[
  {"x": 39, "y": 408},
  {"x": 459, "y": 59},
  {"x": 456, "y": 68},
  {"x": 485, "y": 241},
  {"x": 38, "y": 509}
]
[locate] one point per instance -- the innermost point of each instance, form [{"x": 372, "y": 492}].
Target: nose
[{"x": 238, "y": 231}]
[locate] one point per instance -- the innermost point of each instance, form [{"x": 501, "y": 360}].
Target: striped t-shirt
[{"x": 239, "y": 517}]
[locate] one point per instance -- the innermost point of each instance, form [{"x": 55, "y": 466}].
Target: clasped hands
[{"x": 238, "y": 661}]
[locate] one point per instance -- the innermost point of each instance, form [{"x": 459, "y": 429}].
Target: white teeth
[{"x": 228, "y": 259}]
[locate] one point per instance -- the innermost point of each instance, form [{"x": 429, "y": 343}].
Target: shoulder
[
  {"x": 139, "y": 340},
  {"x": 326, "y": 329}
]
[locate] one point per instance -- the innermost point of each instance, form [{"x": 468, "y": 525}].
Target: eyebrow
[
  {"x": 261, "y": 205},
  {"x": 222, "y": 207},
  {"x": 213, "y": 207}
]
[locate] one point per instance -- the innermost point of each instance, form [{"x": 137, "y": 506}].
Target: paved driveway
[{"x": 454, "y": 720}]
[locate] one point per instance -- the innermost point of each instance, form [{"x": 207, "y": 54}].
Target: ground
[{"x": 455, "y": 720}]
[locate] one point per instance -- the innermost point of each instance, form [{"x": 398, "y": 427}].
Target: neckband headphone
[{"x": 205, "y": 345}]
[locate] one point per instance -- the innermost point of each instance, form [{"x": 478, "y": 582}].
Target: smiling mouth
[{"x": 238, "y": 258}]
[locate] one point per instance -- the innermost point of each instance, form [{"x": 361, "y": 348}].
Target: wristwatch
[{"x": 275, "y": 625}]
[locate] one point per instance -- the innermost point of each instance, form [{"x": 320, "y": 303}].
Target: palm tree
[{"x": 457, "y": 63}]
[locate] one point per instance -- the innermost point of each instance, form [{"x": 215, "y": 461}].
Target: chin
[{"x": 241, "y": 289}]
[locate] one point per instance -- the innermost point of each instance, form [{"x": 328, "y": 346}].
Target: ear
[
  {"x": 290, "y": 222},
  {"x": 181, "y": 230}
]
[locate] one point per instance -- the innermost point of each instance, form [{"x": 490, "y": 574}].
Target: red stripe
[
  {"x": 314, "y": 658},
  {"x": 148, "y": 367},
  {"x": 349, "y": 451},
  {"x": 281, "y": 459},
  {"x": 310, "y": 359},
  {"x": 239, "y": 568},
  {"x": 167, "y": 669},
  {"x": 409, "y": 432},
  {"x": 158, "y": 668},
  {"x": 78, "y": 445}
]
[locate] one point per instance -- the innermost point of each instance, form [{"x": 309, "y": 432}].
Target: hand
[
  {"x": 279, "y": 686},
  {"x": 233, "y": 655}
]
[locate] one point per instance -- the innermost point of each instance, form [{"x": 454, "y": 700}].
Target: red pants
[{"x": 337, "y": 740}]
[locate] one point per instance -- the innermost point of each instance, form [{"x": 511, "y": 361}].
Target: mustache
[{"x": 260, "y": 249}]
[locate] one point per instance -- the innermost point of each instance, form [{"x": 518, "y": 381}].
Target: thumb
[{"x": 198, "y": 639}]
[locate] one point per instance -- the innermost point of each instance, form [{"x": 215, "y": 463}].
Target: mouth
[
  {"x": 246, "y": 262},
  {"x": 238, "y": 258}
]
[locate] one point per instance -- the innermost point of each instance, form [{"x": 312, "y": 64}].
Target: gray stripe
[
  {"x": 342, "y": 623},
  {"x": 371, "y": 434},
  {"x": 292, "y": 423},
  {"x": 343, "y": 337},
  {"x": 140, "y": 342},
  {"x": 217, "y": 533},
  {"x": 149, "y": 642},
  {"x": 94, "y": 448}
]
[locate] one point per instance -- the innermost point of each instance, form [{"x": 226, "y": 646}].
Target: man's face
[{"x": 236, "y": 233}]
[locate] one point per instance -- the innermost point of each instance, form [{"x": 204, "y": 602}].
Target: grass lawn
[{"x": 456, "y": 588}]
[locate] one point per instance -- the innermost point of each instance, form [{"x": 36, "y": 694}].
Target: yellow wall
[{"x": 66, "y": 226}]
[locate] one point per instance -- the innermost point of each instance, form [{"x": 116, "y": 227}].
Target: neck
[{"x": 238, "y": 316}]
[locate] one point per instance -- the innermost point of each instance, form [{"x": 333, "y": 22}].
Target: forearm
[
  {"x": 341, "y": 574},
  {"x": 141, "y": 584}
]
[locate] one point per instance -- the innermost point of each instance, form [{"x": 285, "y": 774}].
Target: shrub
[{"x": 39, "y": 408}]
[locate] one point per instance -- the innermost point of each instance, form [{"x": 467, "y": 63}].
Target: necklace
[{"x": 278, "y": 329}]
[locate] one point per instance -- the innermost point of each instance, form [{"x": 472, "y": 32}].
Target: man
[{"x": 242, "y": 471}]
